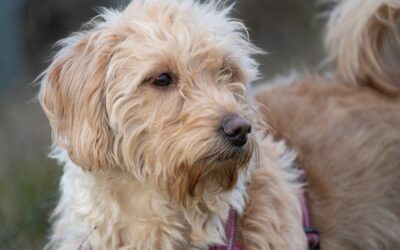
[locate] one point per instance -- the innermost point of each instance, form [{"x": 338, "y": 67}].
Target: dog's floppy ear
[
  {"x": 72, "y": 95},
  {"x": 363, "y": 39}
]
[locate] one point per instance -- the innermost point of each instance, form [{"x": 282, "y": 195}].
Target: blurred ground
[{"x": 287, "y": 29}]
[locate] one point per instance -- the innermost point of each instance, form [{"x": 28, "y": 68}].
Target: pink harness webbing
[
  {"x": 311, "y": 233},
  {"x": 230, "y": 233}
]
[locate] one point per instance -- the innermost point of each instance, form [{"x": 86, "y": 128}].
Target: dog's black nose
[{"x": 236, "y": 128}]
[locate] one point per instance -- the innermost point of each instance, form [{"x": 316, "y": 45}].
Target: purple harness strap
[
  {"x": 230, "y": 233},
  {"x": 311, "y": 233}
]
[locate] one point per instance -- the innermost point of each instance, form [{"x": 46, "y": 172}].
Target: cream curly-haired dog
[
  {"x": 160, "y": 144},
  {"x": 150, "y": 118}
]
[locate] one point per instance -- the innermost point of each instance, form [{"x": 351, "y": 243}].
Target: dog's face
[{"x": 159, "y": 91}]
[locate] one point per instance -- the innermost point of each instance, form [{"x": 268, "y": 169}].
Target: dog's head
[{"x": 157, "y": 90}]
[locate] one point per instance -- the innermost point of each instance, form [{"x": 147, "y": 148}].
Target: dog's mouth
[
  {"x": 226, "y": 153},
  {"x": 225, "y": 156},
  {"x": 222, "y": 155}
]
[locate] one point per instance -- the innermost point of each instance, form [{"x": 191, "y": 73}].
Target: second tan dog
[{"x": 346, "y": 128}]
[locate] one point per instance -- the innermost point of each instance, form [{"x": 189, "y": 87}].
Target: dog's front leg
[{"x": 272, "y": 219}]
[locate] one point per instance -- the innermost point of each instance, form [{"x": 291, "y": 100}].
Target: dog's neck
[{"x": 117, "y": 210}]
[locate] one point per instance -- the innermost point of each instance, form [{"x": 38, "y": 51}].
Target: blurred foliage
[
  {"x": 287, "y": 29},
  {"x": 26, "y": 202},
  {"x": 28, "y": 180}
]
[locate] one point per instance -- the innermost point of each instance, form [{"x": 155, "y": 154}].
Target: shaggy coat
[{"x": 146, "y": 166}]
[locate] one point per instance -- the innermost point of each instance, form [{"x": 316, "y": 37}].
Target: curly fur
[{"x": 145, "y": 167}]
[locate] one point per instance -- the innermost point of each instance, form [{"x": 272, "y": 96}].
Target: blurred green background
[{"x": 288, "y": 29}]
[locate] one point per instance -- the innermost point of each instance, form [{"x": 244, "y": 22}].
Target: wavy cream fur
[
  {"x": 113, "y": 211},
  {"x": 146, "y": 167}
]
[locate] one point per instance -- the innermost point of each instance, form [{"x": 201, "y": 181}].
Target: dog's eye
[
  {"x": 226, "y": 71},
  {"x": 163, "y": 80}
]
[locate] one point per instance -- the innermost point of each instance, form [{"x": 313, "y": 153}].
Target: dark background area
[{"x": 288, "y": 29}]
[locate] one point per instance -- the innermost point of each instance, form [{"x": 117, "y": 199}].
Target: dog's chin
[
  {"x": 224, "y": 167},
  {"x": 215, "y": 173}
]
